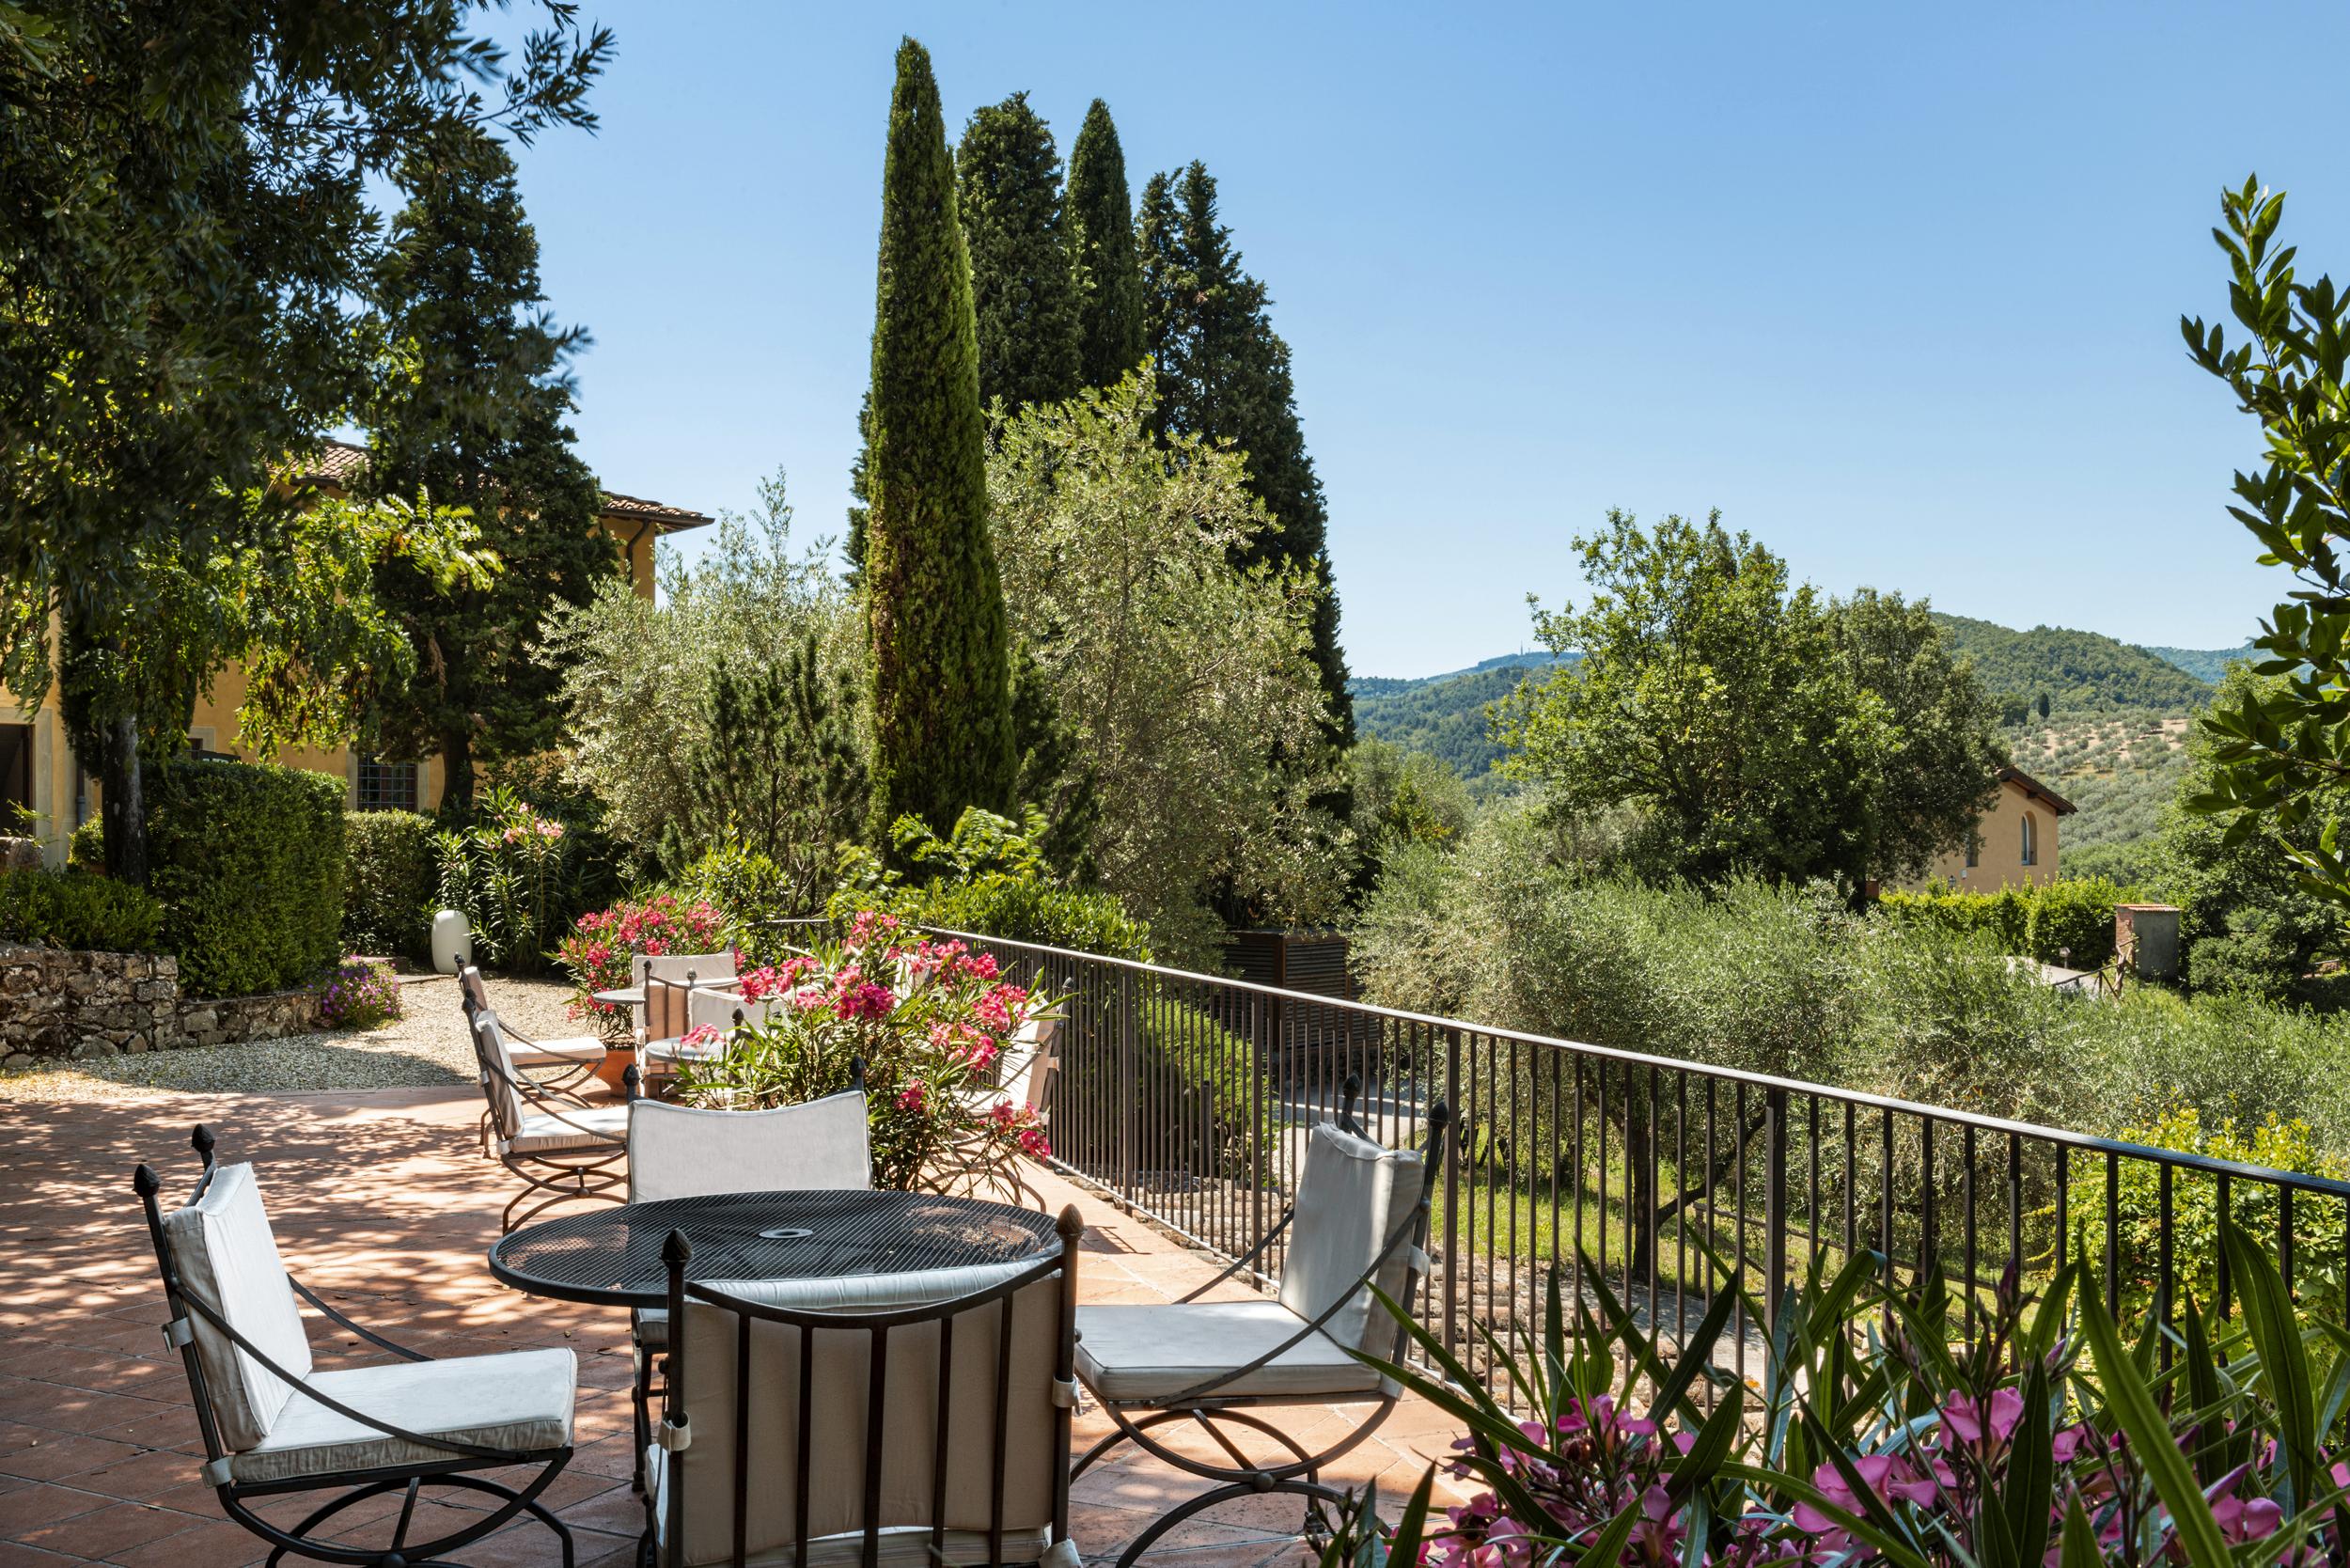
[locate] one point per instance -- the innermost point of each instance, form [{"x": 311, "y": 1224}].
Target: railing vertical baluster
[
  {"x": 1130, "y": 1078},
  {"x": 2163, "y": 1259},
  {"x": 2014, "y": 1205},
  {"x": 2224, "y": 1211},
  {"x": 1580, "y": 1111},
  {"x": 1967, "y": 1189},
  {"x": 2063, "y": 1205},
  {"x": 1453, "y": 1190},
  {"x": 1681, "y": 1214},
  {"x": 1884, "y": 1198},
  {"x": 2284, "y": 1236},
  {"x": 1774, "y": 1204},
  {"x": 2113, "y": 1233},
  {"x": 1652, "y": 1199}
]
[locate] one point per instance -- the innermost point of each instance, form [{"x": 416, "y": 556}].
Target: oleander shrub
[
  {"x": 388, "y": 883},
  {"x": 76, "y": 909},
  {"x": 247, "y": 861},
  {"x": 361, "y": 994}
]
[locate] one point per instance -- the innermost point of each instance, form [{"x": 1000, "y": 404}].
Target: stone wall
[{"x": 58, "y": 1003}]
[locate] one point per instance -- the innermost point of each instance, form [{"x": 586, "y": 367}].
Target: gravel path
[{"x": 424, "y": 1048}]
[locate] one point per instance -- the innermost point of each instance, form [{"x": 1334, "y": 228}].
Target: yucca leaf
[{"x": 2268, "y": 1316}]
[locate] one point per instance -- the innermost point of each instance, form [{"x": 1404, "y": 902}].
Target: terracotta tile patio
[{"x": 385, "y": 1206}]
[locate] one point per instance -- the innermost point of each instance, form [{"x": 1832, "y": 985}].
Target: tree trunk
[
  {"x": 121, "y": 807},
  {"x": 457, "y": 770}
]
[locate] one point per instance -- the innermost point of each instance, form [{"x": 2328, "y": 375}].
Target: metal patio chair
[
  {"x": 889, "y": 1427},
  {"x": 560, "y": 1148},
  {"x": 1360, "y": 1218},
  {"x": 717, "y": 1006},
  {"x": 682, "y": 1151},
  {"x": 563, "y": 1068},
  {"x": 667, "y": 980},
  {"x": 275, "y": 1426},
  {"x": 1025, "y": 1071}
]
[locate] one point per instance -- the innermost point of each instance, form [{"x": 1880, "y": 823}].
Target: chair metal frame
[
  {"x": 578, "y": 1175},
  {"x": 1299, "y": 1474},
  {"x": 356, "y": 1486},
  {"x": 675, "y": 1432}
]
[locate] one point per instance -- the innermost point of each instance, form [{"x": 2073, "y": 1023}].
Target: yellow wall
[
  {"x": 62, "y": 807},
  {"x": 2000, "y": 861}
]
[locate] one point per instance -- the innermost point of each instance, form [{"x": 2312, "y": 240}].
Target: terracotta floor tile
[
  {"x": 116, "y": 1527},
  {"x": 211, "y": 1543}
]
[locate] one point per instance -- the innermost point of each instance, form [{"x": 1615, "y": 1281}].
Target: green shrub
[
  {"x": 2003, "y": 917},
  {"x": 2076, "y": 916},
  {"x": 76, "y": 909},
  {"x": 247, "y": 861},
  {"x": 513, "y": 872},
  {"x": 750, "y": 889},
  {"x": 86, "y": 847},
  {"x": 388, "y": 883}
]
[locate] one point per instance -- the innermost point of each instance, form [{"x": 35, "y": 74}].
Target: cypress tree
[
  {"x": 1022, "y": 293},
  {"x": 1224, "y": 375},
  {"x": 1102, "y": 257},
  {"x": 934, "y": 602},
  {"x": 479, "y": 421}
]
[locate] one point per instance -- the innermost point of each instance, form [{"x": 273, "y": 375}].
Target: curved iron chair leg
[
  {"x": 1312, "y": 1491},
  {"x": 424, "y": 1554},
  {"x": 328, "y": 1512}
]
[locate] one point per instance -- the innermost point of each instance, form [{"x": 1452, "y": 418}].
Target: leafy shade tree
[
  {"x": 1224, "y": 377},
  {"x": 778, "y": 772},
  {"x": 1055, "y": 781},
  {"x": 185, "y": 193},
  {"x": 2280, "y": 755},
  {"x": 1403, "y": 799},
  {"x": 634, "y": 675},
  {"x": 1185, "y": 680},
  {"x": 1023, "y": 296},
  {"x": 473, "y": 417},
  {"x": 1106, "y": 268},
  {"x": 934, "y": 602},
  {"x": 1751, "y": 726},
  {"x": 1937, "y": 757}
]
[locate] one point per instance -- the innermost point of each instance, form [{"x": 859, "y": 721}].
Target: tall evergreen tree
[
  {"x": 1022, "y": 294},
  {"x": 934, "y": 602},
  {"x": 1107, "y": 269},
  {"x": 1224, "y": 375},
  {"x": 475, "y": 416}
]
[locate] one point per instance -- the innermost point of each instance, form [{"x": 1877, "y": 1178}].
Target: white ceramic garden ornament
[{"x": 452, "y": 938}]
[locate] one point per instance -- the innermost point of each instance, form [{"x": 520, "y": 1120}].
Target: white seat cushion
[
  {"x": 551, "y": 1053},
  {"x": 1137, "y": 1355},
  {"x": 902, "y": 1546},
  {"x": 597, "y": 1127},
  {"x": 227, "y": 1258},
  {"x": 521, "y": 1400}
]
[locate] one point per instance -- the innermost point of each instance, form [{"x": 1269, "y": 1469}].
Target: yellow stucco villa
[
  {"x": 39, "y": 770},
  {"x": 2015, "y": 840}
]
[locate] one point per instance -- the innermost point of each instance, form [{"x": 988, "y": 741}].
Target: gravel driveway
[{"x": 426, "y": 1047}]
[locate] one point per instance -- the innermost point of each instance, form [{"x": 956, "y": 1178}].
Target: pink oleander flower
[
  {"x": 699, "y": 1036},
  {"x": 866, "y": 1001},
  {"x": 911, "y": 1097},
  {"x": 1964, "y": 1418}
]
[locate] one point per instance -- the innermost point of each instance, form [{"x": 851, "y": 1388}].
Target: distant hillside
[
  {"x": 1443, "y": 715},
  {"x": 2080, "y": 673},
  {"x": 2205, "y": 663}
]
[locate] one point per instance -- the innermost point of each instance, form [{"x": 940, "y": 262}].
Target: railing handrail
[{"x": 2181, "y": 1159}]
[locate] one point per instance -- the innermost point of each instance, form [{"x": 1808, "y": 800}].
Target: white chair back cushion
[
  {"x": 226, "y": 1258},
  {"x": 841, "y": 1391},
  {"x": 1026, "y": 1078},
  {"x": 499, "y": 1075},
  {"x": 1351, "y": 1197},
  {"x": 681, "y": 1151},
  {"x": 710, "y": 1005},
  {"x": 663, "y": 1016}
]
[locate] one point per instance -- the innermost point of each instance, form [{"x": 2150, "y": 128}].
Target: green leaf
[
  {"x": 2284, "y": 1357},
  {"x": 2133, "y": 1407}
]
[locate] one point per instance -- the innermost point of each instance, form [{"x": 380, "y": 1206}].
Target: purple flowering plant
[
  {"x": 1891, "y": 1427},
  {"x": 361, "y": 994}
]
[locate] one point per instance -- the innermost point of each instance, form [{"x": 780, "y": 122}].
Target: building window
[
  {"x": 2031, "y": 839},
  {"x": 386, "y": 786},
  {"x": 16, "y": 778},
  {"x": 1974, "y": 851}
]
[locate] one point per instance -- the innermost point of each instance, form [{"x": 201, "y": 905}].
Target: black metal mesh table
[{"x": 612, "y": 1257}]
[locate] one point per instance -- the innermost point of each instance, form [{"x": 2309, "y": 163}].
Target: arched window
[
  {"x": 1974, "y": 850},
  {"x": 2031, "y": 839}
]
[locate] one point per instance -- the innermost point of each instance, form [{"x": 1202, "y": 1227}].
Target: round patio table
[{"x": 612, "y": 1257}]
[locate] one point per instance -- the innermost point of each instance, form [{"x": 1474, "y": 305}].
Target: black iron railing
[{"x": 1182, "y": 1096}]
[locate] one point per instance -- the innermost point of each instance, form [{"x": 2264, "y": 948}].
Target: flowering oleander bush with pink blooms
[
  {"x": 928, "y": 1019},
  {"x": 1888, "y": 1430},
  {"x": 361, "y": 995},
  {"x": 599, "y": 951},
  {"x": 513, "y": 872}
]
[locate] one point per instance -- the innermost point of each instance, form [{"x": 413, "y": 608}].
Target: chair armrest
[
  {"x": 1245, "y": 1259},
  {"x": 378, "y": 1340}
]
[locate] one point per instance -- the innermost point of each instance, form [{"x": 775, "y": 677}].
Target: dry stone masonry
[{"x": 56, "y": 1003}]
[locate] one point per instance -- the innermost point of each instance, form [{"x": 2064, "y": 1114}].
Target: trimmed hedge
[
  {"x": 247, "y": 859},
  {"x": 2043, "y": 922},
  {"x": 388, "y": 884},
  {"x": 76, "y": 909}
]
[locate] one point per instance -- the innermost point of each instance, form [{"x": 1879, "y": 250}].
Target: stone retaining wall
[{"x": 58, "y": 1003}]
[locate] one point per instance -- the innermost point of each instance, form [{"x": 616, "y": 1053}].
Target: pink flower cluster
[{"x": 602, "y": 944}]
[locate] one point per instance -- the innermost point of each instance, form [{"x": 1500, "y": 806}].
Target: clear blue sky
[{"x": 1894, "y": 287}]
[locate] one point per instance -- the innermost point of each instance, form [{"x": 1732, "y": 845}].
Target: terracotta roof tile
[{"x": 339, "y": 463}]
